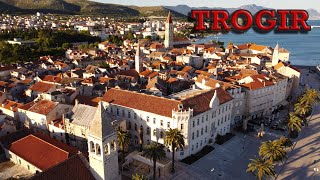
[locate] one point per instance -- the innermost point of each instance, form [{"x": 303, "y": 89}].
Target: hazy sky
[{"x": 277, "y": 4}]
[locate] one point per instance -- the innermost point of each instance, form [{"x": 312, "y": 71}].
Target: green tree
[
  {"x": 272, "y": 150},
  {"x": 154, "y": 152},
  {"x": 130, "y": 35},
  {"x": 294, "y": 122},
  {"x": 261, "y": 168},
  {"x": 284, "y": 141},
  {"x": 138, "y": 177},
  {"x": 66, "y": 46},
  {"x": 123, "y": 139},
  {"x": 175, "y": 140},
  {"x": 310, "y": 97}
]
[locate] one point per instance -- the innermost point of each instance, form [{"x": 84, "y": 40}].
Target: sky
[{"x": 277, "y": 4}]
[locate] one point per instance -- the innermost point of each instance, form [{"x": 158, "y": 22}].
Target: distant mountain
[
  {"x": 86, "y": 7},
  {"x": 184, "y": 9}
]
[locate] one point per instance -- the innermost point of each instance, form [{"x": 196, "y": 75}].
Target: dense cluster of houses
[{"x": 144, "y": 87}]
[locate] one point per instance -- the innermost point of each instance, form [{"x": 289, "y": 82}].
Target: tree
[
  {"x": 261, "y": 168},
  {"x": 175, "y": 139},
  {"x": 138, "y": 177},
  {"x": 302, "y": 110},
  {"x": 123, "y": 139},
  {"x": 310, "y": 97},
  {"x": 272, "y": 150},
  {"x": 154, "y": 152},
  {"x": 66, "y": 45},
  {"x": 294, "y": 122},
  {"x": 284, "y": 141}
]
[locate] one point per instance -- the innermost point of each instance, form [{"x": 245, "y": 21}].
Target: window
[
  {"x": 98, "y": 150},
  {"x": 181, "y": 126},
  {"x": 207, "y": 117},
  {"x": 205, "y": 140},
  {"x": 148, "y": 118},
  {"x": 202, "y": 119},
  {"x": 193, "y": 123},
  {"x": 113, "y": 146},
  {"x": 192, "y": 147},
  {"x": 206, "y": 130},
  {"x": 201, "y": 131},
  {"x": 118, "y": 112},
  {"x": 225, "y": 119},
  {"x": 218, "y": 122},
  {"x": 168, "y": 124},
  {"x": 161, "y": 134},
  {"x": 106, "y": 149},
  {"x": 148, "y": 131},
  {"x": 197, "y": 133},
  {"x": 201, "y": 143},
  {"x": 129, "y": 114},
  {"x": 154, "y": 132},
  {"x": 91, "y": 146},
  {"x": 135, "y": 127},
  {"x": 161, "y": 123},
  {"x": 111, "y": 110},
  {"x": 219, "y": 111},
  {"x": 193, "y": 136},
  {"x": 198, "y": 121},
  {"x": 141, "y": 129},
  {"x": 197, "y": 145},
  {"x": 154, "y": 120},
  {"x": 135, "y": 115},
  {"x": 123, "y": 113}
]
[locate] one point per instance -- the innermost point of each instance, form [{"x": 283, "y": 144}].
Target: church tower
[
  {"x": 275, "y": 55},
  {"x": 102, "y": 143},
  {"x": 168, "y": 39},
  {"x": 138, "y": 60}
]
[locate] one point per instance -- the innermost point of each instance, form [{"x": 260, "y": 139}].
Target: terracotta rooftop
[
  {"x": 74, "y": 168},
  {"x": 41, "y": 87},
  {"x": 164, "y": 106},
  {"x": 50, "y": 78},
  {"x": 11, "y": 105},
  {"x": 42, "y": 151},
  {"x": 41, "y": 107}
]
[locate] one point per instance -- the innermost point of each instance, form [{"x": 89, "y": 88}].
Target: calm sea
[{"x": 304, "y": 48}]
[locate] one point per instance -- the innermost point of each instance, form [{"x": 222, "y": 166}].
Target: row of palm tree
[
  {"x": 174, "y": 140},
  {"x": 271, "y": 152}
]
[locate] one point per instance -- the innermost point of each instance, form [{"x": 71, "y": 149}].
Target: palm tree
[
  {"x": 294, "y": 122},
  {"x": 272, "y": 150},
  {"x": 284, "y": 141},
  {"x": 261, "y": 168},
  {"x": 175, "y": 139},
  {"x": 310, "y": 97},
  {"x": 123, "y": 139},
  {"x": 154, "y": 152},
  {"x": 138, "y": 177},
  {"x": 302, "y": 109}
]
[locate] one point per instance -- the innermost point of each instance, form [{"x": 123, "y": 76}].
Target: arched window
[
  {"x": 135, "y": 127},
  {"x": 201, "y": 131},
  {"x": 113, "y": 145},
  {"x": 197, "y": 133},
  {"x": 206, "y": 130},
  {"x": 129, "y": 124},
  {"x": 91, "y": 146},
  {"x": 192, "y": 135},
  {"x": 161, "y": 134},
  {"x": 106, "y": 149},
  {"x": 98, "y": 149}
]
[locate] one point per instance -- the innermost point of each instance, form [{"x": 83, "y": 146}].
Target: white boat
[{"x": 318, "y": 69}]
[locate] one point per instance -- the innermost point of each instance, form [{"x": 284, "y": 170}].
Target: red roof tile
[
  {"x": 41, "y": 107},
  {"x": 41, "y": 150},
  {"x": 41, "y": 87}
]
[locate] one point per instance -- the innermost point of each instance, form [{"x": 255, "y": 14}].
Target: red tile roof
[
  {"x": 50, "y": 78},
  {"x": 41, "y": 107},
  {"x": 42, "y": 151},
  {"x": 164, "y": 106},
  {"x": 41, "y": 87},
  {"x": 11, "y": 104},
  {"x": 74, "y": 168}
]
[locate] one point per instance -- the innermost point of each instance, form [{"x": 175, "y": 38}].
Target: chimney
[
  {"x": 264, "y": 83},
  {"x": 76, "y": 102}
]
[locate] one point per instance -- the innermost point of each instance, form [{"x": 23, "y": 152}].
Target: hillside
[{"x": 85, "y": 7}]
